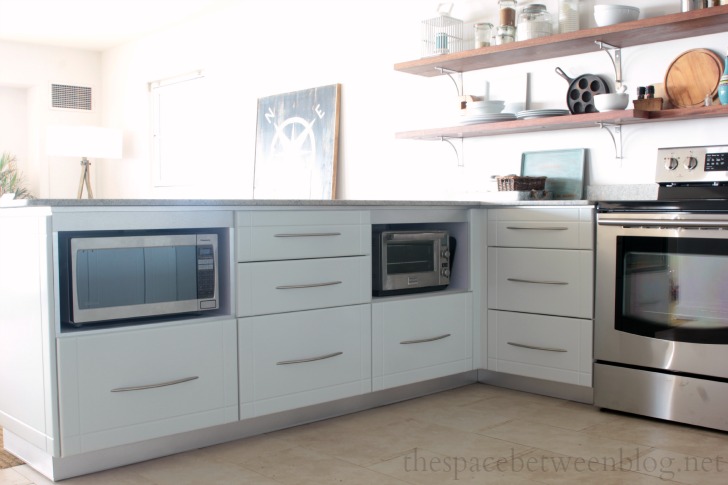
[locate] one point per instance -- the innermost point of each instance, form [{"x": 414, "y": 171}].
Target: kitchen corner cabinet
[
  {"x": 137, "y": 383},
  {"x": 540, "y": 292},
  {"x": 421, "y": 337},
  {"x": 627, "y": 34}
]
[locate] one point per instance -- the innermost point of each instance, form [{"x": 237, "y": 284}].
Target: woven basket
[{"x": 515, "y": 182}]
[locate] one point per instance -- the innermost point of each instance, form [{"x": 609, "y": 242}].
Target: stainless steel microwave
[
  {"x": 410, "y": 261},
  {"x": 114, "y": 277}
]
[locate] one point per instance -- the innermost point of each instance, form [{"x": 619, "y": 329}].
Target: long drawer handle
[
  {"x": 422, "y": 341},
  {"x": 518, "y": 280},
  {"x": 533, "y": 347},
  {"x": 310, "y": 285},
  {"x": 153, "y": 386},
  {"x": 308, "y": 234},
  {"x": 310, "y": 359},
  {"x": 547, "y": 228}
]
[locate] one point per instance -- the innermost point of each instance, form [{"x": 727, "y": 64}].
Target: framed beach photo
[{"x": 297, "y": 143}]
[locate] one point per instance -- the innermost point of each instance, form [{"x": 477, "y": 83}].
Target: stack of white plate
[
  {"x": 470, "y": 119},
  {"x": 484, "y": 107},
  {"x": 541, "y": 113}
]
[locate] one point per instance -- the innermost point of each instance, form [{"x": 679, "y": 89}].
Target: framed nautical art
[{"x": 297, "y": 142}]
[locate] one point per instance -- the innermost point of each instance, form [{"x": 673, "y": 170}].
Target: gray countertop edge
[{"x": 113, "y": 203}]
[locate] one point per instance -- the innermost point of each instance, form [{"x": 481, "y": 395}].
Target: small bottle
[
  {"x": 507, "y": 12},
  {"x": 568, "y": 16},
  {"x": 641, "y": 92},
  {"x": 650, "y": 92},
  {"x": 723, "y": 86}
]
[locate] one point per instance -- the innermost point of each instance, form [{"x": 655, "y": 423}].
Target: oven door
[{"x": 662, "y": 292}]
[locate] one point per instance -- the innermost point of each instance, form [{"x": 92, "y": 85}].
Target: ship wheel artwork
[{"x": 297, "y": 144}]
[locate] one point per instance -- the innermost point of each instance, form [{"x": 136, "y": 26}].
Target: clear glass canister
[
  {"x": 507, "y": 12},
  {"x": 568, "y": 16},
  {"x": 482, "y": 34},
  {"x": 505, "y": 34},
  {"x": 533, "y": 22}
]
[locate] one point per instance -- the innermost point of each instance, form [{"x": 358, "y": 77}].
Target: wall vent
[{"x": 64, "y": 96}]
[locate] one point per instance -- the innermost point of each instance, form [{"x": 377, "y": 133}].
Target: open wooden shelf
[
  {"x": 587, "y": 120},
  {"x": 639, "y": 32}
]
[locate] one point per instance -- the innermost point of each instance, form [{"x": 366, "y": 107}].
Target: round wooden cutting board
[{"x": 691, "y": 76}]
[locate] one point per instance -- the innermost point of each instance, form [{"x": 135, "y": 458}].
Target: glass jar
[
  {"x": 482, "y": 34},
  {"x": 505, "y": 34},
  {"x": 533, "y": 22},
  {"x": 507, "y": 11},
  {"x": 568, "y": 16}
]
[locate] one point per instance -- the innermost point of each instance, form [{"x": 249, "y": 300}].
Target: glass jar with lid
[
  {"x": 507, "y": 12},
  {"x": 482, "y": 34},
  {"x": 533, "y": 22}
]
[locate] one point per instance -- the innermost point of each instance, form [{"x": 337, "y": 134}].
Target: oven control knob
[
  {"x": 671, "y": 163},
  {"x": 692, "y": 163},
  {"x": 446, "y": 272},
  {"x": 446, "y": 254}
]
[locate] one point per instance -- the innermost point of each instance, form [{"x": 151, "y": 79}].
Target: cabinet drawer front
[
  {"x": 558, "y": 228},
  {"x": 284, "y": 286},
  {"x": 297, "y": 359},
  {"x": 547, "y": 281},
  {"x": 287, "y": 235},
  {"x": 128, "y": 386},
  {"x": 421, "y": 338},
  {"x": 540, "y": 346}
]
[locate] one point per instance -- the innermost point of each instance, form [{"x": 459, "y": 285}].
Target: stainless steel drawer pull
[
  {"x": 310, "y": 359},
  {"x": 309, "y": 234},
  {"x": 518, "y": 280},
  {"x": 533, "y": 347},
  {"x": 555, "y": 228},
  {"x": 153, "y": 386},
  {"x": 310, "y": 285},
  {"x": 422, "y": 341}
]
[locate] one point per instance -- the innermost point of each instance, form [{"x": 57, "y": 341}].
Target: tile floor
[{"x": 474, "y": 434}]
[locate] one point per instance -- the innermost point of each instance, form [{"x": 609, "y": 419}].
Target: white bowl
[
  {"x": 614, "y": 14},
  {"x": 611, "y": 101},
  {"x": 485, "y": 107}
]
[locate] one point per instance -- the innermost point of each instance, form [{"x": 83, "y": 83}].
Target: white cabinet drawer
[
  {"x": 267, "y": 236},
  {"x": 298, "y": 359},
  {"x": 421, "y": 338},
  {"x": 284, "y": 286},
  {"x": 548, "y": 281},
  {"x": 559, "y": 228},
  {"x": 545, "y": 347},
  {"x": 145, "y": 382}
]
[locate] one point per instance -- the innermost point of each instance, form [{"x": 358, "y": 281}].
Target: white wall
[
  {"x": 258, "y": 48},
  {"x": 28, "y": 72}
]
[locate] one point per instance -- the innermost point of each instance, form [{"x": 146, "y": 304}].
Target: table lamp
[{"x": 85, "y": 142}]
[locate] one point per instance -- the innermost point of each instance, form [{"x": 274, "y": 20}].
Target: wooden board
[{"x": 692, "y": 76}]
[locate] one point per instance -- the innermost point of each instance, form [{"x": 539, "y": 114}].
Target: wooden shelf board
[
  {"x": 657, "y": 29},
  {"x": 588, "y": 120}
]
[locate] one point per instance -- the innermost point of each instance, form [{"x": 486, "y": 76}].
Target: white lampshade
[{"x": 83, "y": 141}]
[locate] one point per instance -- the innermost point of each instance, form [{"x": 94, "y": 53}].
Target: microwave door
[{"x": 114, "y": 278}]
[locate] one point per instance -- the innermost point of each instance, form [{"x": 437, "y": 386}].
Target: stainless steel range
[{"x": 661, "y": 326}]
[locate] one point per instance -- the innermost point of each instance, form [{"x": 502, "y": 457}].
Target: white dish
[
  {"x": 614, "y": 14},
  {"x": 541, "y": 113},
  {"x": 611, "y": 101},
  {"x": 486, "y": 118}
]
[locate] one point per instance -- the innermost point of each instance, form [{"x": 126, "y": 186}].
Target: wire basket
[
  {"x": 441, "y": 35},
  {"x": 516, "y": 182}
]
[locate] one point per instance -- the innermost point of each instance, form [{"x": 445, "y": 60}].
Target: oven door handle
[{"x": 688, "y": 224}]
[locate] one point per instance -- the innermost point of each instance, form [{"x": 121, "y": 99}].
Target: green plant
[{"x": 11, "y": 180}]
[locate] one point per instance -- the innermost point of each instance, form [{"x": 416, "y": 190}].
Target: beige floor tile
[
  {"x": 10, "y": 476},
  {"x": 693, "y": 470},
  {"x": 664, "y": 435},
  {"x": 554, "y": 468},
  {"x": 194, "y": 468},
  {"x": 424, "y": 467},
  {"x": 304, "y": 466},
  {"x": 563, "y": 441},
  {"x": 243, "y": 451}
]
